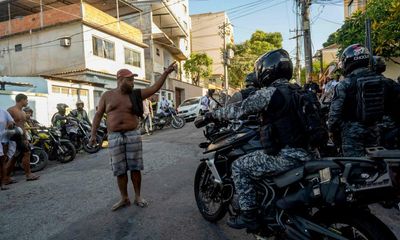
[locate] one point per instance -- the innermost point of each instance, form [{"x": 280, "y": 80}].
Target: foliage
[
  {"x": 385, "y": 28},
  {"x": 316, "y": 71},
  {"x": 247, "y": 53},
  {"x": 198, "y": 66}
]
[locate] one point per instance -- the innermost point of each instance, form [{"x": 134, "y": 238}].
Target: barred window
[
  {"x": 103, "y": 48},
  {"x": 132, "y": 57}
]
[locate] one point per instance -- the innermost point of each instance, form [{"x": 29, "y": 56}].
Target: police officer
[
  {"x": 273, "y": 70},
  {"x": 80, "y": 113},
  {"x": 59, "y": 119},
  {"x": 251, "y": 85},
  {"x": 359, "y": 103}
]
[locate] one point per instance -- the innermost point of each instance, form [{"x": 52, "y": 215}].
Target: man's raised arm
[{"x": 147, "y": 92}]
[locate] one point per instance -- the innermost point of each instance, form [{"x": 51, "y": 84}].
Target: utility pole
[
  {"x": 225, "y": 31},
  {"x": 297, "y": 67},
  {"x": 297, "y": 37},
  {"x": 305, "y": 20}
]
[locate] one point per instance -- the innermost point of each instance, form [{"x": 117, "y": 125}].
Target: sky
[{"x": 275, "y": 16}]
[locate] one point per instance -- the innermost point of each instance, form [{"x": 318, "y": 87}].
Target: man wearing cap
[{"x": 123, "y": 107}]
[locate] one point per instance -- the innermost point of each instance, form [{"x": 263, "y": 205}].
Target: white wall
[
  {"x": 107, "y": 65},
  {"x": 38, "y": 102},
  {"x": 44, "y": 58}
]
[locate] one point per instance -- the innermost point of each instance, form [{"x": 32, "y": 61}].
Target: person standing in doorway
[{"x": 148, "y": 116}]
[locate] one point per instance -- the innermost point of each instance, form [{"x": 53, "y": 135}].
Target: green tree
[
  {"x": 198, "y": 66},
  {"x": 385, "y": 28},
  {"x": 246, "y": 54}
]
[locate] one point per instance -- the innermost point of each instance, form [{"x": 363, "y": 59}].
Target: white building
[
  {"x": 75, "y": 41},
  {"x": 206, "y": 39},
  {"x": 166, "y": 30}
]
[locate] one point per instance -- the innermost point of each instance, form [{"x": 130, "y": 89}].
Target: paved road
[{"x": 73, "y": 200}]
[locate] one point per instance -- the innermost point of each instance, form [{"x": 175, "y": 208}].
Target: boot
[{"x": 246, "y": 219}]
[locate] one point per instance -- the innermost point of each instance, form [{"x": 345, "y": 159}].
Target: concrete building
[
  {"x": 166, "y": 27},
  {"x": 74, "y": 41},
  {"x": 352, "y": 6},
  {"x": 206, "y": 39},
  {"x": 392, "y": 66},
  {"x": 45, "y": 92}
]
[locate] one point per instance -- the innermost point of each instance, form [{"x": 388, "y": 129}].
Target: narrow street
[{"x": 73, "y": 201}]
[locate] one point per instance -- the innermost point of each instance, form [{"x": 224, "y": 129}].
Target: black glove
[{"x": 208, "y": 116}]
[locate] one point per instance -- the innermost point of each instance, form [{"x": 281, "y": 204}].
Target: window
[
  {"x": 158, "y": 52},
  {"x": 103, "y": 48},
  {"x": 184, "y": 8},
  {"x": 132, "y": 57},
  {"x": 18, "y": 47},
  {"x": 350, "y": 7}
]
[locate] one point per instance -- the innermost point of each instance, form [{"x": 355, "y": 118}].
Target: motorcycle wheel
[
  {"x": 178, "y": 122},
  {"x": 93, "y": 149},
  {"x": 355, "y": 225},
  {"x": 208, "y": 195},
  {"x": 39, "y": 159},
  {"x": 69, "y": 150}
]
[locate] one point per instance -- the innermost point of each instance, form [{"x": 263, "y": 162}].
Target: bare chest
[{"x": 117, "y": 102}]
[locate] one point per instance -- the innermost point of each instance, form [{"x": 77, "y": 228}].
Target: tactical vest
[
  {"x": 366, "y": 96},
  {"x": 279, "y": 128}
]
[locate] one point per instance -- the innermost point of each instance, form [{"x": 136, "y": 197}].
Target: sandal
[
  {"x": 120, "y": 204},
  {"x": 32, "y": 178},
  {"x": 11, "y": 181},
  {"x": 142, "y": 204}
]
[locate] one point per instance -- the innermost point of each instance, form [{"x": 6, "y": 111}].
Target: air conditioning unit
[{"x": 65, "y": 41}]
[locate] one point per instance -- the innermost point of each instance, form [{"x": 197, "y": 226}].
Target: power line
[
  {"x": 91, "y": 29},
  {"x": 258, "y": 10}
]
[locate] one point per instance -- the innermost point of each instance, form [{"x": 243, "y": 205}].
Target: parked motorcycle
[
  {"x": 170, "y": 119},
  {"x": 57, "y": 149},
  {"x": 322, "y": 199},
  {"x": 38, "y": 157},
  {"x": 78, "y": 132}
]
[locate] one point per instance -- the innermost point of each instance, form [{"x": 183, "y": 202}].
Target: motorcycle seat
[
  {"x": 382, "y": 153},
  {"x": 314, "y": 166},
  {"x": 289, "y": 177}
]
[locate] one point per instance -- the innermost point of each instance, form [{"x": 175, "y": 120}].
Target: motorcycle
[
  {"x": 38, "y": 157},
  {"x": 169, "y": 119},
  {"x": 322, "y": 199},
  {"x": 78, "y": 132},
  {"x": 50, "y": 140}
]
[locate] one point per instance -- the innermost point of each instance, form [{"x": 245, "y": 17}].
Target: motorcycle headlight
[{"x": 57, "y": 133}]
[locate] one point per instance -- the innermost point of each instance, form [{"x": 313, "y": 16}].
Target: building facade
[
  {"x": 352, "y": 6},
  {"x": 206, "y": 38},
  {"x": 166, "y": 30},
  {"x": 77, "y": 42}
]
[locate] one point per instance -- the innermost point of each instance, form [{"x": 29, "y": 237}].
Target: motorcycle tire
[
  {"x": 38, "y": 160},
  {"x": 178, "y": 122},
  {"x": 203, "y": 181},
  {"x": 70, "y": 149},
  {"x": 93, "y": 149},
  {"x": 355, "y": 224}
]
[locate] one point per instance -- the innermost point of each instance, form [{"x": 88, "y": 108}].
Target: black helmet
[
  {"x": 272, "y": 66},
  {"x": 379, "y": 64},
  {"x": 353, "y": 57},
  {"x": 251, "y": 80},
  {"x": 61, "y": 106},
  {"x": 80, "y": 102}
]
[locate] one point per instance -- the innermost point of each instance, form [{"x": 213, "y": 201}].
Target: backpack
[
  {"x": 306, "y": 112},
  {"x": 370, "y": 96}
]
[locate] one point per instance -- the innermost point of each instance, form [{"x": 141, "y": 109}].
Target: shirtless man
[
  {"x": 125, "y": 143},
  {"x": 20, "y": 119}
]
